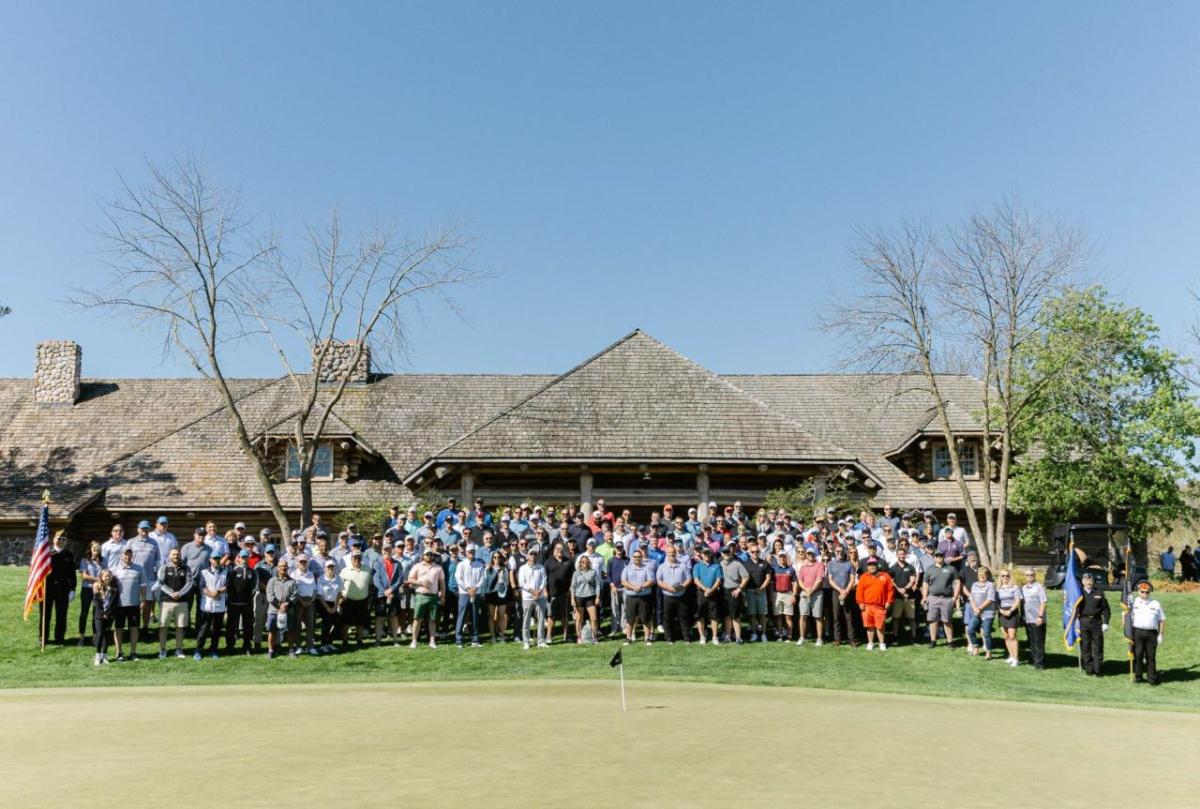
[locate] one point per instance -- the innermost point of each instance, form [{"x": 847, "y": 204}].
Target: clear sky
[{"x": 693, "y": 169}]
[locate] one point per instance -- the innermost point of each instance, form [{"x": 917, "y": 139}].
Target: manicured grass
[{"x": 908, "y": 669}]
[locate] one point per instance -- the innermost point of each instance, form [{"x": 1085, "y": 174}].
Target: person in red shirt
[{"x": 875, "y": 596}]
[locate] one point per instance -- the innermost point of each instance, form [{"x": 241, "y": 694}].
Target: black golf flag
[{"x": 616, "y": 661}]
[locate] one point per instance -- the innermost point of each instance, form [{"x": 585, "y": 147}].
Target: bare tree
[
  {"x": 965, "y": 296},
  {"x": 187, "y": 263}
]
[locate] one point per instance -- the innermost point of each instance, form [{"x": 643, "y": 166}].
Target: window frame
[
  {"x": 942, "y": 446},
  {"x": 291, "y": 459}
]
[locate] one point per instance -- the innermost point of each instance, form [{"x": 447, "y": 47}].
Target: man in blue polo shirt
[
  {"x": 707, "y": 576},
  {"x": 673, "y": 578}
]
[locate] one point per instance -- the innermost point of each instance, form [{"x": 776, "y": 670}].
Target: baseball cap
[
  {"x": 302, "y": 557},
  {"x": 241, "y": 525},
  {"x": 330, "y": 563},
  {"x": 270, "y": 549},
  {"x": 244, "y": 554},
  {"x": 144, "y": 524},
  {"x": 356, "y": 552},
  {"x": 266, "y": 532},
  {"x": 163, "y": 520},
  {"x": 199, "y": 531}
]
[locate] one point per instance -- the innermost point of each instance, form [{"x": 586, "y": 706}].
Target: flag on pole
[
  {"x": 1072, "y": 595},
  {"x": 39, "y": 563},
  {"x": 616, "y": 660}
]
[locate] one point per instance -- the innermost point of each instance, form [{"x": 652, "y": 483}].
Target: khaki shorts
[
  {"x": 813, "y": 606},
  {"x": 904, "y": 608},
  {"x": 784, "y": 603},
  {"x": 174, "y": 613}
]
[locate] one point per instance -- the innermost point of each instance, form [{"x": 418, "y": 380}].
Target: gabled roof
[
  {"x": 961, "y": 423},
  {"x": 639, "y": 400}
]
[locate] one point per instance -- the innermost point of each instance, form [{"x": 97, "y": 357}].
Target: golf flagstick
[{"x": 618, "y": 663}]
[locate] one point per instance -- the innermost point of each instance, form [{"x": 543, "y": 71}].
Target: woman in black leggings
[{"x": 106, "y": 600}]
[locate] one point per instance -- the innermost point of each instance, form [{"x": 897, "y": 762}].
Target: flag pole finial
[{"x": 45, "y": 495}]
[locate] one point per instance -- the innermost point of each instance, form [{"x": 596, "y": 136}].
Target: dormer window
[
  {"x": 968, "y": 459},
  {"x": 322, "y": 463}
]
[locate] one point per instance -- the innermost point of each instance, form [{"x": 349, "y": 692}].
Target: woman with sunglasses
[{"x": 1008, "y": 596}]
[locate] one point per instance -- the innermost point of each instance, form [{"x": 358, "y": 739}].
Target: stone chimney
[
  {"x": 339, "y": 363},
  {"x": 56, "y": 372}
]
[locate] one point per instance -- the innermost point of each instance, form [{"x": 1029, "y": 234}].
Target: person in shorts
[
  {"x": 811, "y": 578},
  {"x": 940, "y": 589},
  {"x": 785, "y": 585},
  {"x": 735, "y": 578},
  {"x": 428, "y": 580},
  {"x": 174, "y": 586},
  {"x": 874, "y": 594},
  {"x": 706, "y": 575},
  {"x": 759, "y": 573},
  {"x": 132, "y": 588}
]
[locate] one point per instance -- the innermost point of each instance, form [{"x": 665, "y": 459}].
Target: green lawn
[{"x": 909, "y": 669}]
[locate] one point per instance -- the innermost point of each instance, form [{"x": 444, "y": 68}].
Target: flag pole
[
  {"x": 622, "y": 670},
  {"x": 1126, "y": 592},
  {"x": 42, "y": 603}
]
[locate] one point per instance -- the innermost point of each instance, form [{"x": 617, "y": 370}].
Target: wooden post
[
  {"x": 467, "y": 490},
  {"x": 585, "y": 491},
  {"x": 702, "y": 491}
]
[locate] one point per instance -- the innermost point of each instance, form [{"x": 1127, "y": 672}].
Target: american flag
[{"x": 39, "y": 563}]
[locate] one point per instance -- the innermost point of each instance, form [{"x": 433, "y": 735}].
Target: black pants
[
  {"x": 102, "y": 629},
  {"x": 240, "y": 616},
  {"x": 329, "y": 625},
  {"x": 843, "y": 619},
  {"x": 56, "y": 601},
  {"x": 1145, "y": 647},
  {"x": 676, "y": 618},
  {"x": 210, "y": 629},
  {"x": 85, "y": 605},
  {"x": 1091, "y": 640},
  {"x": 1035, "y": 635}
]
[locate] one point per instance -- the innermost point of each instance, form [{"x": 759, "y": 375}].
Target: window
[
  {"x": 968, "y": 459},
  {"x": 322, "y": 463}
]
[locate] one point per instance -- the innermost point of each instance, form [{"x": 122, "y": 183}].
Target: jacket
[{"x": 875, "y": 590}]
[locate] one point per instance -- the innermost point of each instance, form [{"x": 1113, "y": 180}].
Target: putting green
[{"x": 558, "y": 743}]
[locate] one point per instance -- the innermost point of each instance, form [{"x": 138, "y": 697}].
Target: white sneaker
[
  {"x": 413, "y": 645},
  {"x": 703, "y": 640},
  {"x": 870, "y": 645},
  {"x": 96, "y": 661},
  {"x": 1014, "y": 662},
  {"x": 753, "y": 637},
  {"x": 820, "y": 642},
  {"x": 433, "y": 644},
  {"x": 882, "y": 646},
  {"x": 162, "y": 654},
  {"x": 762, "y": 638},
  {"x": 525, "y": 645},
  {"x": 716, "y": 641},
  {"x": 543, "y": 645},
  {"x": 660, "y": 630},
  {"x": 800, "y": 642}
]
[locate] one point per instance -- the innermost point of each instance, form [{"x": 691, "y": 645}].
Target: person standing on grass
[
  {"x": 842, "y": 579},
  {"x": 940, "y": 590},
  {"x": 1008, "y": 601},
  {"x": 497, "y": 595},
  {"x": 329, "y": 593},
  {"x": 1149, "y": 621},
  {"x": 243, "y": 584},
  {"x": 175, "y": 585},
  {"x": 759, "y": 575},
  {"x": 214, "y": 583},
  {"x": 113, "y": 547},
  {"x": 637, "y": 581},
  {"x": 145, "y": 556},
  {"x": 388, "y": 578},
  {"x": 1033, "y": 608},
  {"x": 132, "y": 586},
  {"x": 89, "y": 574},
  {"x": 428, "y": 580},
  {"x": 60, "y": 589},
  {"x": 469, "y": 576},
  {"x": 531, "y": 581},
  {"x": 195, "y": 555},
  {"x": 811, "y": 576},
  {"x": 356, "y": 594},
  {"x": 673, "y": 578},
  {"x": 706, "y": 575},
  {"x": 304, "y": 611},
  {"x": 559, "y": 571},
  {"x": 785, "y": 584},
  {"x": 735, "y": 578},
  {"x": 1093, "y": 613},
  {"x": 906, "y": 580},
  {"x": 281, "y": 594},
  {"x": 875, "y": 594},
  {"x": 982, "y": 600},
  {"x": 106, "y": 605},
  {"x": 585, "y": 599}
]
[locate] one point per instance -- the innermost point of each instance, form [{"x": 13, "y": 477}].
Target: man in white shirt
[
  {"x": 111, "y": 550},
  {"x": 468, "y": 577},
  {"x": 531, "y": 580},
  {"x": 1149, "y": 621}
]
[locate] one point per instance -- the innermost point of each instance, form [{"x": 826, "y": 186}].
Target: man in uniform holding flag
[
  {"x": 1093, "y": 613},
  {"x": 60, "y": 589}
]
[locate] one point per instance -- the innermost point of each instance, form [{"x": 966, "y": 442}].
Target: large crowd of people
[{"x": 532, "y": 577}]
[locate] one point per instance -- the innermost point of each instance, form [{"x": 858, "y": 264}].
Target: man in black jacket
[
  {"x": 60, "y": 587},
  {"x": 1093, "y": 613},
  {"x": 242, "y": 584}
]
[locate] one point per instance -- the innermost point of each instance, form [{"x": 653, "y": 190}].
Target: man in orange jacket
[{"x": 875, "y": 596}]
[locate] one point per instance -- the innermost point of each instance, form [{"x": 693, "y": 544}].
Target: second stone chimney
[
  {"x": 339, "y": 363},
  {"x": 56, "y": 372}
]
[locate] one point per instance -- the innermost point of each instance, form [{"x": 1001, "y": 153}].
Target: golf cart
[{"x": 1099, "y": 550}]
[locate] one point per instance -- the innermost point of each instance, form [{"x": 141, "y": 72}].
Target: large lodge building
[{"x": 637, "y": 424}]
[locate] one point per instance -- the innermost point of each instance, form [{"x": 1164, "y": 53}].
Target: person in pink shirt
[{"x": 811, "y": 575}]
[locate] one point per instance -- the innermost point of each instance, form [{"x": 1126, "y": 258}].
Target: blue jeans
[
  {"x": 465, "y": 604},
  {"x": 984, "y": 620}
]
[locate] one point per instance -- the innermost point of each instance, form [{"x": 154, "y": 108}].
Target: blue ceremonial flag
[{"x": 1072, "y": 594}]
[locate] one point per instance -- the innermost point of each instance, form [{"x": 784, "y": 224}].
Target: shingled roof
[{"x": 639, "y": 400}]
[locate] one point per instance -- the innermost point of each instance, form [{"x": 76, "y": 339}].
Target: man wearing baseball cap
[
  {"x": 145, "y": 557},
  {"x": 356, "y": 589},
  {"x": 1149, "y": 620}
]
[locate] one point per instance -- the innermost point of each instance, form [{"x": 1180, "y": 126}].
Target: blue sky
[{"x": 693, "y": 169}]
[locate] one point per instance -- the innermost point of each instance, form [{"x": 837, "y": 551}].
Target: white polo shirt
[{"x": 1147, "y": 614}]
